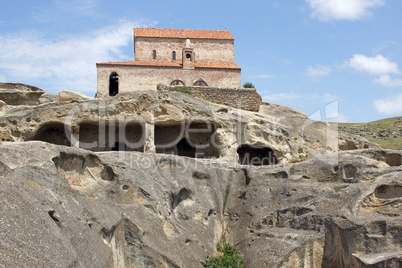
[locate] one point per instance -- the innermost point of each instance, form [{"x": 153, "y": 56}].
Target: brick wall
[
  {"x": 132, "y": 78},
  {"x": 242, "y": 98},
  {"x": 206, "y": 51}
]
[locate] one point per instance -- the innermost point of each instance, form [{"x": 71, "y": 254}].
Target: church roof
[
  {"x": 182, "y": 34},
  {"x": 170, "y": 64}
]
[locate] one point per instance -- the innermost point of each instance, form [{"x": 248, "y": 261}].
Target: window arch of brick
[
  {"x": 200, "y": 83},
  {"x": 173, "y": 55},
  {"x": 177, "y": 82},
  {"x": 188, "y": 57},
  {"x": 154, "y": 54},
  {"x": 113, "y": 84}
]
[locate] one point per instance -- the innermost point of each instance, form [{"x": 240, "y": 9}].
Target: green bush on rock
[{"x": 228, "y": 256}]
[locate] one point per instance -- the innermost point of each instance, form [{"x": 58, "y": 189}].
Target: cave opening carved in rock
[
  {"x": 54, "y": 133},
  {"x": 388, "y": 191},
  {"x": 394, "y": 160},
  {"x": 194, "y": 139},
  {"x": 256, "y": 155},
  {"x": 112, "y": 136}
]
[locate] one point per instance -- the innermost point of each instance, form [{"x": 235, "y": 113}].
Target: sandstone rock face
[
  {"x": 65, "y": 95},
  {"x": 19, "y": 94},
  {"x": 3, "y": 107},
  {"x": 48, "y": 97},
  {"x": 314, "y": 206}
]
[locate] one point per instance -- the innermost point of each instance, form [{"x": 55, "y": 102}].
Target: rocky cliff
[{"x": 285, "y": 190}]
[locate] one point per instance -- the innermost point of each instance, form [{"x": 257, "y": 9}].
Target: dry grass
[{"x": 386, "y": 132}]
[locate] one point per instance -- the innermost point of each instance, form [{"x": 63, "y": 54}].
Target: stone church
[{"x": 173, "y": 57}]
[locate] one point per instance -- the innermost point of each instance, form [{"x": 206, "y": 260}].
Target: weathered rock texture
[
  {"x": 19, "y": 94},
  {"x": 241, "y": 98},
  {"x": 65, "y": 95},
  {"x": 64, "y": 206}
]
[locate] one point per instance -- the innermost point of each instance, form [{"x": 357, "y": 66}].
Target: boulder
[
  {"x": 65, "y": 95},
  {"x": 48, "y": 97},
  {"x": 19, "y": 94}
]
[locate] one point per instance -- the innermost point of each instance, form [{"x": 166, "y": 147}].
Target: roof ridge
[{"x": 183, "y": 33}]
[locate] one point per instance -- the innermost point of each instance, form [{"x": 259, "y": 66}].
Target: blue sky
[{"x": 311, "y": 55}]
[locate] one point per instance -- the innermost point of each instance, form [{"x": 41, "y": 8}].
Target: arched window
[
  {"x": 188, "y": 56},
  {"x": 177, "y": 83},
  {"x": 154, "y": 54},
  {"x": 113, "y": 84},
  {"x": 174, "y": 55},
  {"x": 200, "y": 83}
]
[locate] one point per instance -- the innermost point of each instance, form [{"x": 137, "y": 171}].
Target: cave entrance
[
  {"x": 53, "y": 133},
  {"x": 186, "y": 147},
  {"x": 192, "y": 139},
  {"x": 112, "y": 136},
  {"x": 119, "y": 146},
  {"x": 256, "y": 155},
  {"x": 113, "y": 84}
]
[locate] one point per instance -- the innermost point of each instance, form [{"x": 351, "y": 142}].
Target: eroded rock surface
[
  {"x": 314, "y": 206},
  {"x": 19, "y": 94}
]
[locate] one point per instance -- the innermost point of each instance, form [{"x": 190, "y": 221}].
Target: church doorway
[{"x": 113, "y": 84}]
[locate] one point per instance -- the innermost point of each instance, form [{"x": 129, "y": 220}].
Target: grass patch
[
  {"x": 386, "y": 132},
  {"x": 181, "y": 89},
  {"x": 296, "y": 160},
  {"x": 228, "y": 256},
  {"x": 339, "y": 188}
]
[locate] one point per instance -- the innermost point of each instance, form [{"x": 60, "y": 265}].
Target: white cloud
[
  {"x": 327, "y": 10},
  {"x": 64, "y": 63},
  {"x": 378, "y": 65},
  {"x": 389, "y": 106},
  {"x": 338, "y": 117},
  {"x": 318, "y": 71},
  {"x": 3, "y": 78},
  {"x": 387, "y": 81}
]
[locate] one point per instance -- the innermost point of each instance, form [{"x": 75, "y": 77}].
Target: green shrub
[
  {"x": 228, "y": 256},
  {"x": 248, "y": 85},
  {"x": 296, "y": 160},
  {"x": 181, "y": 89}
]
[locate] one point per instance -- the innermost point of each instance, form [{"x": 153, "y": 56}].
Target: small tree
[
  {"x": 248, "y": 85},
  {"x": 228, "y": 256}
]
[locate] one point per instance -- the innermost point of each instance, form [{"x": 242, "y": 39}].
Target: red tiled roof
[
  {"x": 171, "y": 64},
  {"x": 184, "y": 34},
  {"x": 217, "y": 65}
]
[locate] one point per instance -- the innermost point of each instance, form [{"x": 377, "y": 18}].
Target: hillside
[
  {"x": 386, "y": 132},
  {"x": 158, "y": 178}
]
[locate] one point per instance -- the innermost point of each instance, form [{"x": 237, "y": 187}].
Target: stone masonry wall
[
  {"x": 206, "y": 51},
  {"x": 133, "y": 78},
  {"x": 241, "y": 98}
]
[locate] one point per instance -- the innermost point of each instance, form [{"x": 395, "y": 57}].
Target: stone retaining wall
[{"x": 241, "y": 98}]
